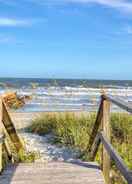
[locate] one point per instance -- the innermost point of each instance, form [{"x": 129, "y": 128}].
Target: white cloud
[
  {"x": 123, "y": 5},
  {"x": 118, "y": 4},
  {"x": 11, "y": 22}
]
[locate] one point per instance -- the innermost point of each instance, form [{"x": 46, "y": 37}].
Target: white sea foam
[{"x": 68, "y": 98}]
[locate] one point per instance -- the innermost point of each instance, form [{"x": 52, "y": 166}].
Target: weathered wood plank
[
  {"x": 115, "y": 156},
  {"x": 96, "y": 127},
  {"x": 10, "y": 129},
  {"x": 1, "y": 166},
  {"x": 8, "y": 150},
  {"x": 94, "y": 149},
  {"x": 53, "y": 173},
  {"x": 1, "y": 137},
  {"x": 106, "y": 166},
  {"x": 108, "y": 151},
  {"x": 119, "y": 102},
  {"x": 1, "y": 151}
]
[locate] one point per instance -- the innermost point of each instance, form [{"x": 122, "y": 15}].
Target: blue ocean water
[{"x": 65, "y": 94}]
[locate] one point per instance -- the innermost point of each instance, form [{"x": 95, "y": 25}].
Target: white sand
[{"x": 48, "y": 152}]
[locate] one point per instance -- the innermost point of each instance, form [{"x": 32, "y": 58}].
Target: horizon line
[{"x": 49, "y": 78}]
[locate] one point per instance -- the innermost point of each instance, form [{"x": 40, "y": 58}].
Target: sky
[{"x": 90, "y": 39}]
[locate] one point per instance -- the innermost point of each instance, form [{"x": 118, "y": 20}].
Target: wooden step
[{"x": 53, "y": 173}]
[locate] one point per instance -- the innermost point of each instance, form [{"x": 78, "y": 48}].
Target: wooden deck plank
[{"x": 53, "y": 173}]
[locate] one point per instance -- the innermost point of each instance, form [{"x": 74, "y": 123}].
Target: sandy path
[
  {"x": 41, "y": 144},
  {"x": 47, "y": 151}
]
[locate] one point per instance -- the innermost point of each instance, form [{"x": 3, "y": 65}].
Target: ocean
[{"x": 51, "y": 95}]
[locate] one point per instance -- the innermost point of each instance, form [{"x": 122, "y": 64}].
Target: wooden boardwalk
[{"x": 53, "y": 173}]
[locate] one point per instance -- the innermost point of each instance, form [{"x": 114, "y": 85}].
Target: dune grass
[
  {"x": 68, "y": 128},
  {"x": 74, "y": 130},
  {"x": 27, "y": 156},
  {"x": 23, "y": 156}
]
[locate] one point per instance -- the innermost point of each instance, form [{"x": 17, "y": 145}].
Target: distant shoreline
[
  {"x": 87, "y": 79},
  {"x": 94, "y": 83}
]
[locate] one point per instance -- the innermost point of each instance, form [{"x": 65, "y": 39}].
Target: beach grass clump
[
  {"x": 27, "y": 156},
  {"x": 22, "y": 156},
  {"x": 69, "y": 128},
  {"x": 121, "y": 136},
  {"x": 44, "y": 124}
]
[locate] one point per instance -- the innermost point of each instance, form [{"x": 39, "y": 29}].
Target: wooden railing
[
  {"x": 1, "y": 151},
  {"x": 101, "y": 134},
  {"x": 8, "y": 137}
]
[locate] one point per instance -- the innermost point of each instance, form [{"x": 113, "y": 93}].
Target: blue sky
[{"x": 66, "y": 39}]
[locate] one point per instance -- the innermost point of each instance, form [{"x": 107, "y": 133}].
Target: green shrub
[
  {"x": 27, "y": 157},
  {"x": 43, "y": 124},
  {"x": 121, "y": 124}
]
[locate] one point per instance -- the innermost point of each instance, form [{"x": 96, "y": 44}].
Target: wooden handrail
[
  {"x": 1, "y": 151},
  {"x": 101, "y": 138},
  {"x": 4, "y": 149},
  {"x": 103, "y": 123},
  {"x": 2, "y": 137},
  {"x": 8, "y": 129},
  {"x": 96, "y": 126},
  {"x": 119, "y": 102}
]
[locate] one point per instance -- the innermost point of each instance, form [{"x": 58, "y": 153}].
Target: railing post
[
  {"x": 10, "y": 128},
  {"x": 1, "y": 131},
  {"x": 106, "y": 164},
  {"x": 1, "y": 157}
]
